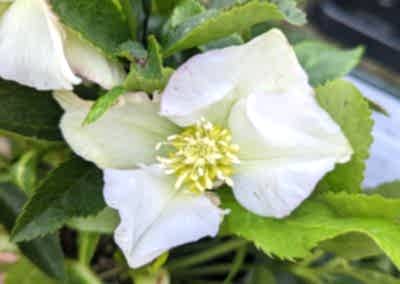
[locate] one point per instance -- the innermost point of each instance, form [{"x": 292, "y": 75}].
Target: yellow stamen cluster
[{"x": 201, "y": 157}]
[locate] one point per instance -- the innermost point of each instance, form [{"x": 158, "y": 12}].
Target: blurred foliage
[{"x": 56, "y": 200}]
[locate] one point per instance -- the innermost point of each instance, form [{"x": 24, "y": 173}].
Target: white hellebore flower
[
  {"x": 37, "y": 51},
  {"x": 243, "y": 115}
]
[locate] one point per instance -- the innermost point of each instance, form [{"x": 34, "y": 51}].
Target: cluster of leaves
[{"x": 44, "y": 187}]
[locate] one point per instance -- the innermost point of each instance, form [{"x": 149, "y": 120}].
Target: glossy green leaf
[
  {"x": 45, "y": 252},
  {"x": 219, "y": 4},
  {"x": 164, "y": 6},
  {"x": 135, "y": 16},
  {"x": 24, "y": 171},
  {"x": 182, "y": 12},
  {"x": 151, "y": 75},
  {"x": 72, "y": 190},
  {"x": 293, "y": 14},
  {"x": 28, "y": 112},
  {"x": 231, "y": 40},
  {"x": 189, "y": 8},
  {"x": 288, "y": 7},
  {"x": 353, "y": 246},
  {"x": 131, "y": 50},
  {"x": 324, "y": 62},
  {"x": 104, "y": 222},
  {"x": 320, "y": 218},
  {"x": 103, "y": 103},
  {"x": 214, "y": 24},
  {"x": 98, "y": 21},
  {"x": 348, "y": 108}
]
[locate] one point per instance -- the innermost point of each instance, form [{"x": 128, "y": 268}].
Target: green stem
[
  {"x": 236, "y": 264},
  {"x": 87, "y": 246},
  {"x": 206, "y": 255},
  {"x": 112, "y": 273},
  {"x": 204, "y": 282},
  {"x": 201, "y": 246},
  {"x": 215, "y": 269}
]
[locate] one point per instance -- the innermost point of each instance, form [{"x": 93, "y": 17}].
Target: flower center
[{"x": 201, "y": 156}]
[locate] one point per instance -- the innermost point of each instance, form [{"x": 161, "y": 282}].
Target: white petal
[
  {"x": 123, "y": 137},
  {"x": 31, "y": 47},
  {"x": 276, "y": 188},
  {"x": 91, "y": 64},
  {"x": 265, "y": 64},
  {"x": 287, "y": 144},
  {"x": 155, "y": 217}
]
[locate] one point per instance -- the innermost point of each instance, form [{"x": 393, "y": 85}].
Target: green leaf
[
  {"x": 72, "y": 190},
  {"x": 388, "y": 190},
  {"x": 214, "y": 24},
  {"x": 105, "y": 222},
  {"x": 339, "y": 271},
  {"x": 24, "y": 172},
  {"x": 45, "y": 252},
  {"x": 103, "y": 103},
  {"x": 324, "y": 62},
  {"x": 185, "y": 10},
  {"x": 87, "y": 243},
  {"x": 231, "y": 40},
  {"x": 131, "y": 50},
  {"x": 98, "y": 21},
  {"x": 348, "y": 108},
  {"x": 293, "y": 14},
  {"x": 164, "y": 6},
  {"x": 182, "y": 12},
  {"x": 135, "y": 15},
  {"x": 28, "y": 112},
  {"x": 81, "y": 274},
  {"x": 353, "y": 246},
  {"x": 370, "y": 276},
  {"x": 150, "y": 76},
  {"x": 320, "y": 218},
  {"x": 288, "y": 7},
  {"x": 25, "y": 273},
  {"x": 218, "y": 4}
]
